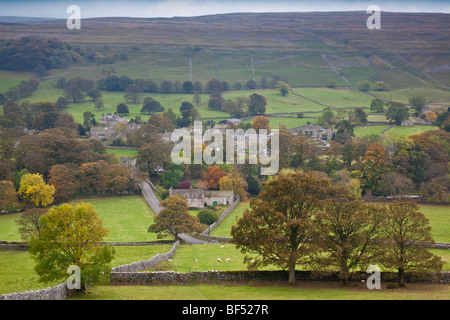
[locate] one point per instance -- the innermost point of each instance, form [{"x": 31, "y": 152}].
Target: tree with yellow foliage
[
  {"x": 34, "y": 189},
  {"x": 233, "y": 181}
]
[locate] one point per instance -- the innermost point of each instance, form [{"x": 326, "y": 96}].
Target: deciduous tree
[
  {"x": 72, "y": 235},
  {"x": 174, "y": 219},
  {"x": 213, "y": 175},
  {"x": 396, "y": 112},
  {"x": 260, "y": 122},
  {"x": 407, "y": 234},
  {"x": 8, "y": 196},
  {"x": 234, "y": 181},
  {"x": 133, "y": 93},
  {"x": 29, "y": 223},
  {"x": 64, "y": 180},
  {"x": 346, "y": 236},
  {"x": 34, "y": 189},
  {"x": 279, "y": 223},
  {"x": 257, "y": 104}
]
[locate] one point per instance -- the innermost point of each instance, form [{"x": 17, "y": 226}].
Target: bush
[
  {"x": 207, "y": 216},
  {"x": 164, "y": 194},
  {"x": 364, "y": 86},
  {"x": 186, "y": 184}
]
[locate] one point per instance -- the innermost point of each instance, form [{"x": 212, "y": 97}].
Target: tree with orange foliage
[
  {"x": 430, "y": 115},
  {"x": 260, "y": 122},
  {"x": 375, "y": 164},
  {"x": 174, "y": 219},
  {"x": 213, "y": 175}
]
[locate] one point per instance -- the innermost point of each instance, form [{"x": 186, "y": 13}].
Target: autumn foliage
[
  {"x": 213, "y": 175},
  {"x": 174, "y": 219}
]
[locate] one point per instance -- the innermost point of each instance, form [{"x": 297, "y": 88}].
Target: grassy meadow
[
  {"x": 303, "y": 290},
  {"x": 123, "y": 153},
  {"x": 224, "y": 228},
  {"x": 18, "y": 273},
  {"x": 126, "y": 217}
]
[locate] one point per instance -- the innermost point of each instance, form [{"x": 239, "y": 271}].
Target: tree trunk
[
  {"x": 292, "y": 274},
  {"x": 401, "y": 278},
  {"x": 344, "y": 280}
]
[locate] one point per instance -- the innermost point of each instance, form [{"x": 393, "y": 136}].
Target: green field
[
  {"x": 268, "y": 291},
  {"x": 369, "y": 130},
  {"x": 406, "y": 131},
  {"x": 337, "y": 97},
  {"x": 18, "y": 273},
  {"x": 396, "y": 131},
  {"x": 403, "y": 95},
  {"x": 9, "y": 79},
  {"x": 439, "y": 217},
  {"x": 127, "y": 219},
  {"x": 123, "y": 153},
  {"x": 224, "y": 228}
]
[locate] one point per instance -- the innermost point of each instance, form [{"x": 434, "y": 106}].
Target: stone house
[
  {"x": 106, "y": 130},
  {"x": 407, "y": 123},
  {"x": 315, "y": 131},
  {"x": 199, "y": 198},
  {"x": 111, "y": 120}
]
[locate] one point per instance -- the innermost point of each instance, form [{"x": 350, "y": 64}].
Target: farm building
[{"x": 199, "y": 198}]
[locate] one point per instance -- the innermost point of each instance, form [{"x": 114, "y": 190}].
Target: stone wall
[
  {"x": 60, "y": 292},
  {"x": 222, "y": 216},
  {"x": 23, "y": 245},
  {"x": 211, "y": 238},
  {"x": 171, "y": 277},
  {"x": 146, "y": 264}
]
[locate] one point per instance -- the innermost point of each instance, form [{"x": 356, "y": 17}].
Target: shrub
[
  {"x": 164, "y": 194},
  {"x": 364, "y": 86},
  {"x": 185, "y": 184},
  {"x": 207, "y": 216}
]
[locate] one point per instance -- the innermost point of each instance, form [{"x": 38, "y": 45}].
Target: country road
[{"x": 153, "y": 202}]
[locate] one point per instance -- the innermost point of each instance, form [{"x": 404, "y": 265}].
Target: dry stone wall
[
  {"x": 60, "y": 292},
  {"x": 222, "y": 216},
  {"x": 170, "y": 277},
  {"x": 147, "y": 264}
]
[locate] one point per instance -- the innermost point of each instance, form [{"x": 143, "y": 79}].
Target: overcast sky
[{"x": 170, "y": 8}]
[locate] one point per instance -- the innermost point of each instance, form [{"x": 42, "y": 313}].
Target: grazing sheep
[
  {"x": 195, "y": 259},
  {"x": 222, "y": 246},
  {"x": 228, "y": 260},
  {"x": 218, "y": 259}
]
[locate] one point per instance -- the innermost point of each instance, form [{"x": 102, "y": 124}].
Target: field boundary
[
  {"x": 222, "y": 216},
  {"x": 146, "y": 264},
  {"x": 23, "y": 245},
  {"x": 172, "y": 277}
]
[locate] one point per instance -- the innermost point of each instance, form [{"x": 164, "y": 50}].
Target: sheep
[
  {"x": 222, "y": 246},
  {"x": 218, "y": 259},
  {"x": 195, "y": 259},
  {"x": 228, "y": 260}
]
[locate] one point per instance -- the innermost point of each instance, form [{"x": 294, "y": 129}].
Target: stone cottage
[
  {"x": 199, "y": 198},
  {"x": 315, "y": 131},
  {"x": 106, "y": 130}
]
